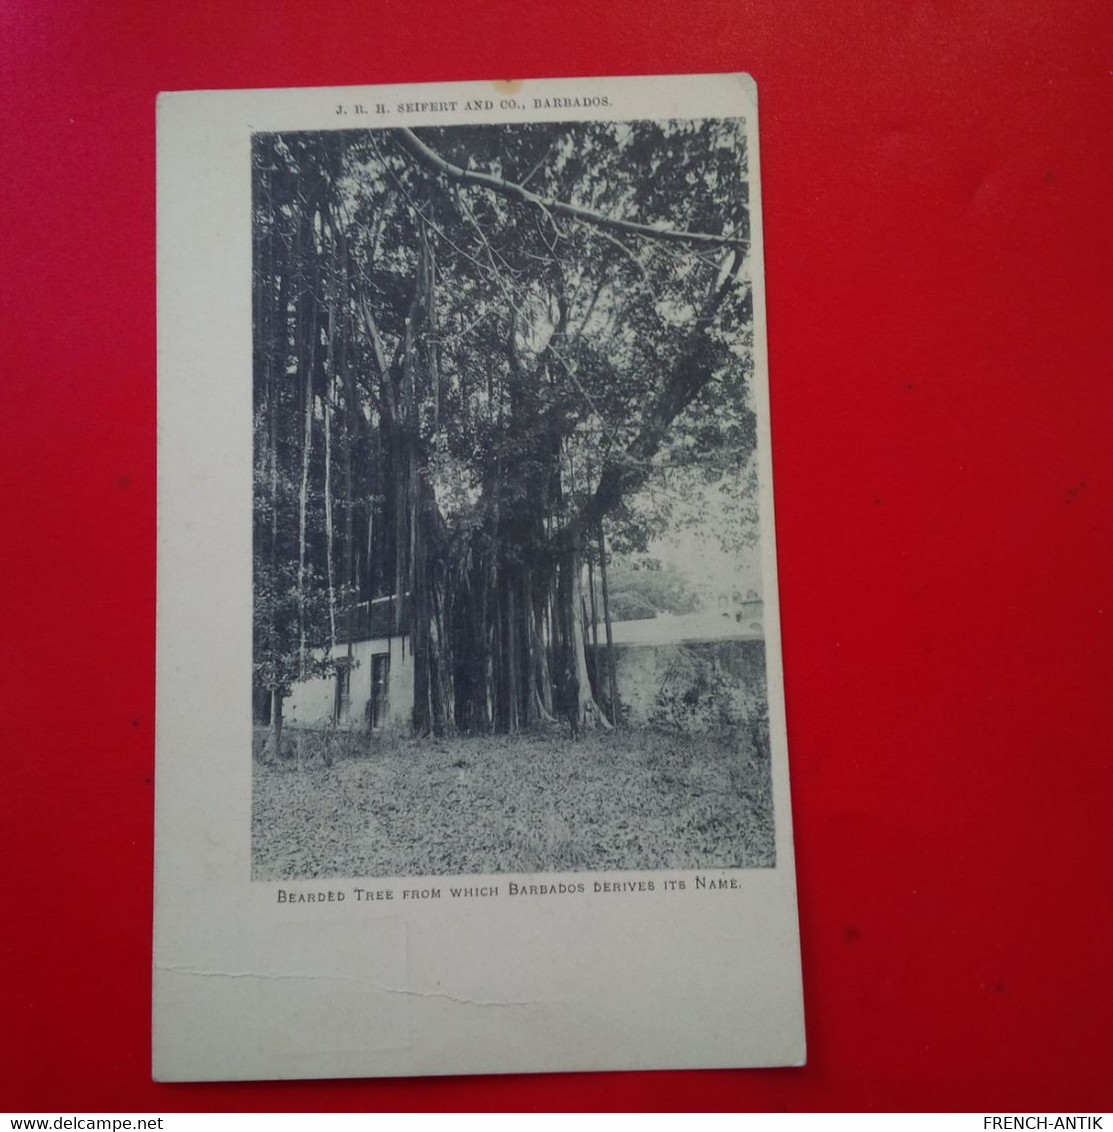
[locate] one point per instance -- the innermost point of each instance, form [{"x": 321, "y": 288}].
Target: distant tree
[{"x": 645, "y": 587}]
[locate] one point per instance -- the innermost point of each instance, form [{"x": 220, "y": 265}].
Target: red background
[{"x": 937, "y": 188}]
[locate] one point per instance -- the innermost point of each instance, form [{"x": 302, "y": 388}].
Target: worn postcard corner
[{"x": 471, "y": 741}]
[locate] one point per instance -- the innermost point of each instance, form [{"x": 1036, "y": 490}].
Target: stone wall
[{"x": 693, "y": 685}]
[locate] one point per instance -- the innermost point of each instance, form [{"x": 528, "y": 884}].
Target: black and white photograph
[
  {"x": 508, "y": 603},
  {"x": 469, "y": 643}
]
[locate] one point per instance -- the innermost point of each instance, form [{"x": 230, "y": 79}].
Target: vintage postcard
[{"x": 471, "y": 741}]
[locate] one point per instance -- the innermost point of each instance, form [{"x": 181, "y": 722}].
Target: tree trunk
[
  {"x": 594, "y": 619},
  {"x": 280, "y": 320},
  {"x": 513, "y": 672},
  {"x": 272, "y": 750},
  {"x": 443, "y": 693},
  {"x": 329, "y": 386},
  {"x": 543, "y": 681},
  {"x": 420, "y": 618},
  {"x": 612, "y": 674},
  {"x": 576, "y": 696},
  {"x": 306, "y": 326}
]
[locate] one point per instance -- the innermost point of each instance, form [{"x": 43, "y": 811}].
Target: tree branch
[
  {"x": 413, "y": 145},
  {"x": 628, "y": 470}
]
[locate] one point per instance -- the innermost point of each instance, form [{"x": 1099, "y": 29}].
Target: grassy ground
[{"x": 521, "y": 804}]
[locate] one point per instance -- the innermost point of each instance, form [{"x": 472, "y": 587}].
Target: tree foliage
[{"x": 644, "y": 587}]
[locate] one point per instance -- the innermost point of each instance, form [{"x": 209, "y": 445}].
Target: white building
[{"x": 373, "y": 686}]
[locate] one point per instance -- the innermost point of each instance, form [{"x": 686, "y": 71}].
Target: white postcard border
[{"x": 246, "y": 986}]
